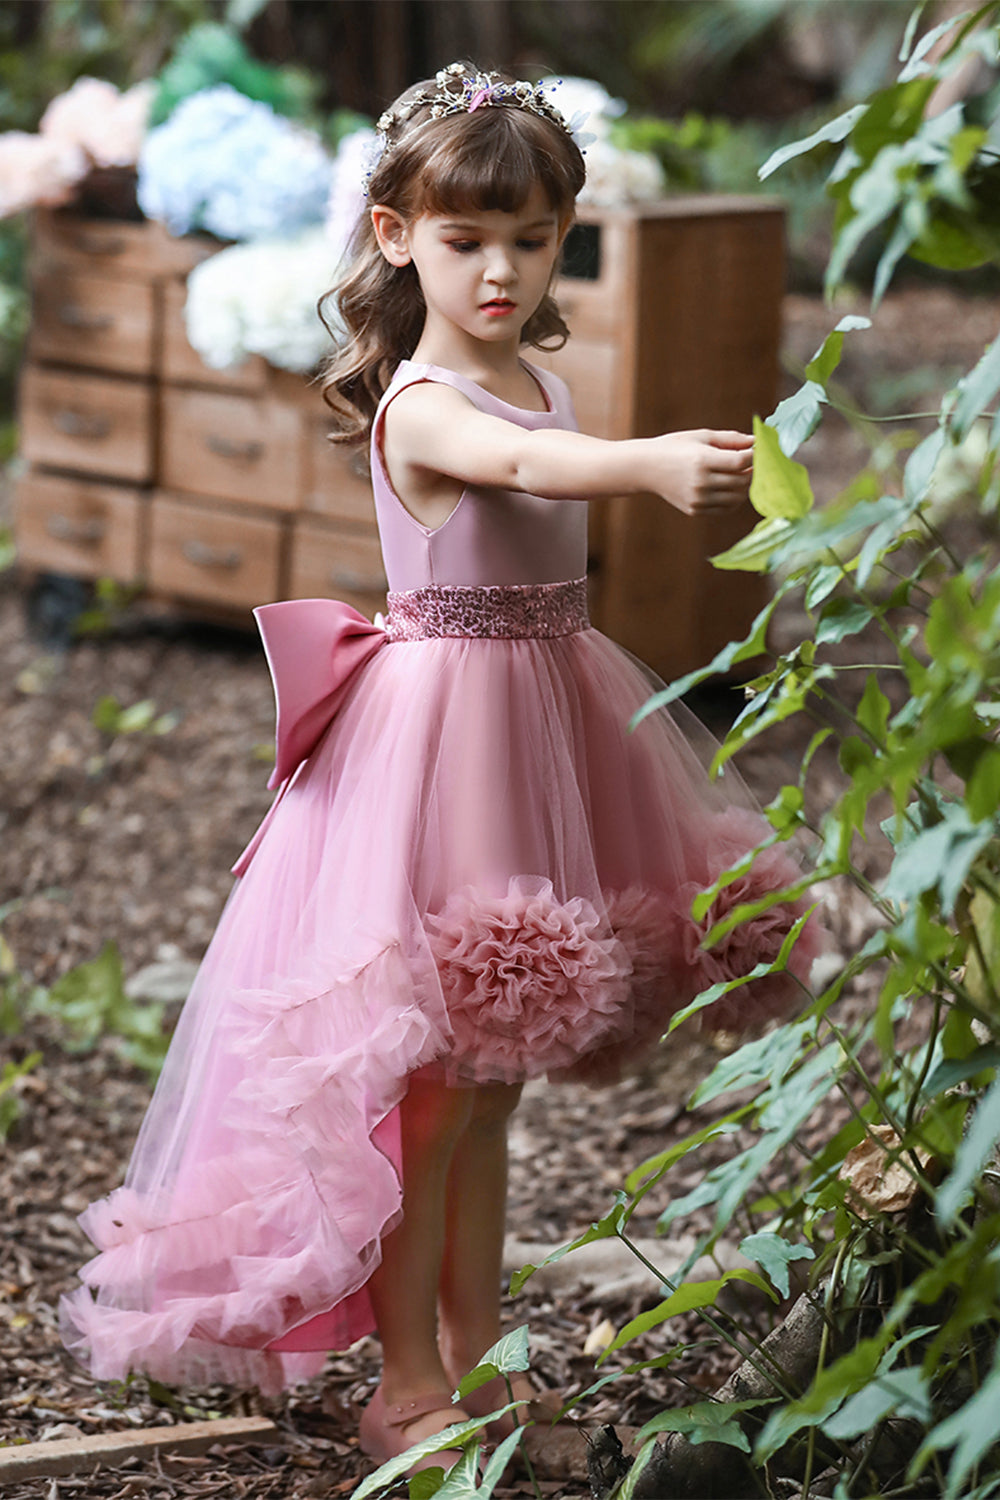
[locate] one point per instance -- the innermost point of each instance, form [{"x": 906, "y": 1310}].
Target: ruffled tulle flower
[
  {"x": 529, "y": 981},
  {"x": 108, "y": 125},
  {"x": 261, "y": 299},
  {"x": 35, "y": 169},
  {"x": 647, "y": 923},
  {"x": 227, "y": 164},
  {"x": 756, "y": 940}
]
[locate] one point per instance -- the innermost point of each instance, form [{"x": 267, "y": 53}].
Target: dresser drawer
[
  {"x": 206, "y": 552},
  {"x": 93, "y": 321},
  {"x": 337, "y": 481},
  {"x": 66, "y": 525},
  {"x": 182, "y": 364},
  {"x": 333, "y": 562},
  {"x": 233, "y": 447},
  {"x": 90, "y": 422},
  {"x": 67, "y": 241}
]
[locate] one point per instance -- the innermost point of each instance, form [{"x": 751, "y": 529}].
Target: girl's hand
[{"x": 701, "y": 472}]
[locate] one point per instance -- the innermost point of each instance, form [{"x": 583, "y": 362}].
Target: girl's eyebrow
[{"x": 548, "y": 222}]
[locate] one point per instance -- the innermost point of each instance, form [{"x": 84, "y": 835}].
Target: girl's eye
[
  {"x": 532, "y": 244},
  {"x": 463, "y": 247}
]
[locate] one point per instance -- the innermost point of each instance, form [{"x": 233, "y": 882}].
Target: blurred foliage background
[{"x": 712, "y": 86}]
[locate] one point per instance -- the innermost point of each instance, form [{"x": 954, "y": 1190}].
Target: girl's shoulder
[{"x": 558, "y": 400}]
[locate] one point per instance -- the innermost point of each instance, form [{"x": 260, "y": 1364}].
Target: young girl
[{"x": 473, "y": 873}]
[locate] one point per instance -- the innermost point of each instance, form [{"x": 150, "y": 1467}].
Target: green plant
[
  {"x": 90, "y": 1002},
  {"x": 886, "y": 1374},
  {"x": 138, "y": 718},
  {"x": 10, "y": 1102}
]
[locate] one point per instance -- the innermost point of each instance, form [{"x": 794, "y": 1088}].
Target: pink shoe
[{"x": 382, "y": 1429}]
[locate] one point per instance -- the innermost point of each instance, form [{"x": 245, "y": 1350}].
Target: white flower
[
  {"x": 616, "y": 177},
  {"x": 36, "y": 170},
  {"x": 261, "y": 298},
  {"x": 108, "y": 125},
  {"x": 582, "y": 102}
]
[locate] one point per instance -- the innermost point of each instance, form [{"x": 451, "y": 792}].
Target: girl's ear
[{"x": 390, "y": 232}]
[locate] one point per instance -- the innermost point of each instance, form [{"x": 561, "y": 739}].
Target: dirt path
[{"x": 130, "y": 838}]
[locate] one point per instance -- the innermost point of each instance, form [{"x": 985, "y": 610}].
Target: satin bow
[{"x": 314, "y": 649}]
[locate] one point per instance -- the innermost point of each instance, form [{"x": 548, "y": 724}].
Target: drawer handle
[
  {"x": 81, "y": 424},
  {"x": 78, "y": 317},
  {"x": 227, "y": 448},
  {"x": 83, "y": 533},
  {"x": 100, "y": 244},
  {"x": 363, "y": 583},
  {"x": 204, "y": 556}
]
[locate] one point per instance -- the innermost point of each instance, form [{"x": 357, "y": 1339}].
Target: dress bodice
[{"x": 492, "y": 536}]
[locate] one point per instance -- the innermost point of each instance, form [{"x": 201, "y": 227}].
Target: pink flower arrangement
[
  {"x": 529, "y": 982},
  {"x": 34, "y": 170},
  {"x": 108, "y": 125}
]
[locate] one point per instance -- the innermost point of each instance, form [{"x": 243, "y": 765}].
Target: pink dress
[{"x": 474, "y": 866}]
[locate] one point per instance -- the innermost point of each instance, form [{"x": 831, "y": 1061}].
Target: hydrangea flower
[
  {"x": 110, "y": 126},
  {"x": 347, "y": 186},
  {"x": 34, "y": 169},
  {"x": 261, "y": 299},
  {"x": 230, "y": 165}
]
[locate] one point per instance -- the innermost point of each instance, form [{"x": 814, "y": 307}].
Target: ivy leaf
[
  {"x": 841, "y": 618},
  {"x": 827, "y": 356},
  {"x": 796, "y": 418},
  {"x": 687, "y": 1298},
  {"x": 780, "y": 487},
  {"x": 774, "y": 1255},
  {"x": 938, "y": 858},
  {"x": 507, "y": 1357},
  {"x": 753, "y": 552},
  {"x": 831, "y": 1387}
]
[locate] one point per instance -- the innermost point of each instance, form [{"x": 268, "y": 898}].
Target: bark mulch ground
[{"x": 129, "y": 837}]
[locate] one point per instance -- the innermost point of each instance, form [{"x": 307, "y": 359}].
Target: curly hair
[{"x": 489, "y": 159}]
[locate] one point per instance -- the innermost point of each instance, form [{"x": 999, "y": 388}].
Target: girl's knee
[{"x": 493, "y": 1105}]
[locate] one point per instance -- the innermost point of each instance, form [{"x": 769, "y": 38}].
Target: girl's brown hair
[{"x": 489, "y": 159}]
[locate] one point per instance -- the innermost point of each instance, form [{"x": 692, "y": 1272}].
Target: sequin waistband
[{"x": 494, "y": 611}]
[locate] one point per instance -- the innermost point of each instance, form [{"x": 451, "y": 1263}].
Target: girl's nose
[{"x": 500, "y": 268}]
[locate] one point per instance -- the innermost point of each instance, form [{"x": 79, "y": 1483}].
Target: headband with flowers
[{"x": 456, "y": 91}]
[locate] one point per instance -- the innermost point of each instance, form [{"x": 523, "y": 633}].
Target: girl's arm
[{"x": 434, "y": 429}]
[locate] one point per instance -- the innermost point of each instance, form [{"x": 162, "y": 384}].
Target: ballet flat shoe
[
  {"x": 382, "y": 1429},
  {"x": 541, "y": 1408}
]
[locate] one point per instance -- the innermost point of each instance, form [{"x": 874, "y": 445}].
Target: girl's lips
[{"x": 498, "y": 307}]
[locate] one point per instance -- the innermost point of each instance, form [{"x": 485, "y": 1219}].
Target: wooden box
[{"x": 220, "y": 489}]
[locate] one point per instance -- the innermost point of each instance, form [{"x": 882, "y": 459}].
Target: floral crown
[{"x": 457, "y": 91}]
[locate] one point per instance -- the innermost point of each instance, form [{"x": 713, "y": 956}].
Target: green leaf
[
  {"x": 831, "y": 1387},
  {"x": 796, "y": 418},
  {"x": 754, "y": 644},
  {"x": 955, "y": 1070},
  {"x": 895, "y": 1393},
  {"x": 841, "y": 618},
  {"x": 971, "y": 1432},
  {"x": 687, "y": 1298},
  {"x": 607, "y": 1228},
  {"x": 453, "y": 1436},
  {"x": 780, "y": 486},
  {"x": 704, "y": 1422},
  {"x": 827, "y": 356},
  {"x": 774, "y": 1255},
  {"x": 822, "y": 582},
  {"x": 873, "y": 710},
  {"x": 976, "y": 391},
  {"x": 920, "y": 466},
  {"x": 938, "y": 859},
  {"x": 972, "y": 1154},
  {"x": 508, "y": 1357},
  {"x": 834, "y": 131},
  {"x": 753, "y": 552}
]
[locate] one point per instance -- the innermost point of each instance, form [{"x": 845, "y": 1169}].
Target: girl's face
[{"x": 482, "y": 273}]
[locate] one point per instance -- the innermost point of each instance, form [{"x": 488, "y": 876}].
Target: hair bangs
[{"x": 493, "y": 159}]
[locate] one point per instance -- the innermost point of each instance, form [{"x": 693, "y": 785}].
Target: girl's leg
[
  {"x": 404, "y": 1289},
  {"x": 472, "y": 1265}
]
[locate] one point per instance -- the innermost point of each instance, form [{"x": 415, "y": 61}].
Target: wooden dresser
[{"x": 219, "y": 489}]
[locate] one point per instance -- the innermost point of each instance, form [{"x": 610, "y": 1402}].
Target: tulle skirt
[{"x": 481, "y": 871}]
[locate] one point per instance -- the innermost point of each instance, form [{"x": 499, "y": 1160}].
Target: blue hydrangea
[{"x": 228, "y": 164}]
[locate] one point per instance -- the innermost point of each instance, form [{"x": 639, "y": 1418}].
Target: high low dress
[{"x": 473, "y": 866}]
